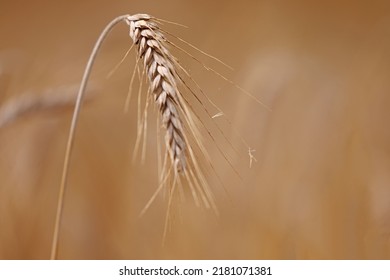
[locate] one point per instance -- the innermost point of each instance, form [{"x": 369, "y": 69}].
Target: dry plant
[
  {"x": 167, "y": 79},
  {"x": 29, "y": 102}
]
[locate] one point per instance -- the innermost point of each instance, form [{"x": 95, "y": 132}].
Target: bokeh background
[{"x": 320, "y": 188}]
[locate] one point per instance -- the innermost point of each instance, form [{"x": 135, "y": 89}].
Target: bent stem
[{"x": 69, "y": 146}]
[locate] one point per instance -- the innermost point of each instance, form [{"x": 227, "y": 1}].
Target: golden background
[{"x": 320, "y": 188}]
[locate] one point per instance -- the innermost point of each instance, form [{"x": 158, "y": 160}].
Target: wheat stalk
[{"x": 69, "y": 145}]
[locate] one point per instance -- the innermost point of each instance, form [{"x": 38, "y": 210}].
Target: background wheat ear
[{"x": 29, "y": 102}]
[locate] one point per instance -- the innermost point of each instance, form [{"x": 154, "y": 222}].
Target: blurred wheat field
[{"x": 320, "y": 188}]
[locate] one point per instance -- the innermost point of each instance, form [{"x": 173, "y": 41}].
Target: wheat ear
[
  {"x": 29, "y": 103},
  {"x": 159, "y": 66},
  {"x": 178, "y": 120}
]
